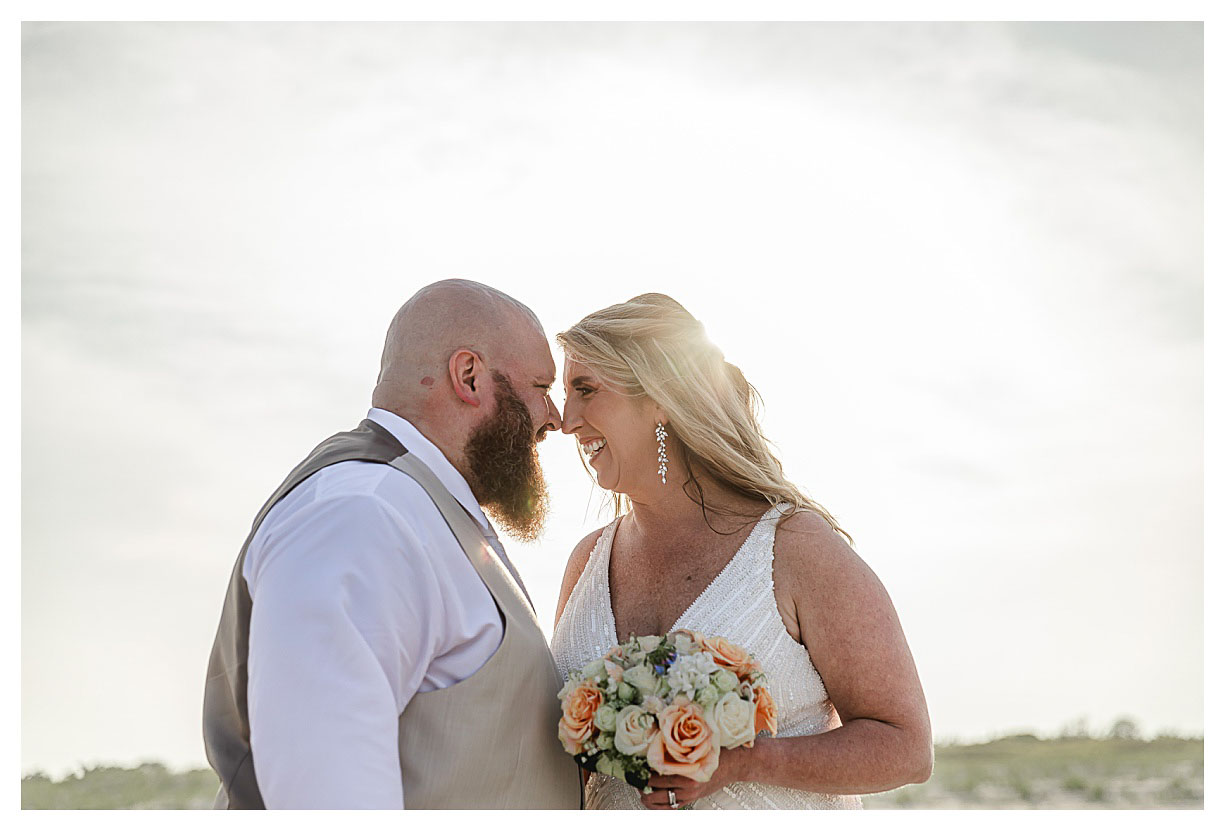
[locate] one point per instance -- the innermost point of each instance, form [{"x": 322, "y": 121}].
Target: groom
[{"x": 377, "y": 649}]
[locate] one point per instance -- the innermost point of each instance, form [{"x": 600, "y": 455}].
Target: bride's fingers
[
  {"x": 657, "y": 798},
  {"x": 656, "y": 801}
]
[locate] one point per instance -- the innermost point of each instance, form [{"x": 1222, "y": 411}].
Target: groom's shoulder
[
  {"x": 355, "y": 483},
  {"x": 361, "y": 479}
]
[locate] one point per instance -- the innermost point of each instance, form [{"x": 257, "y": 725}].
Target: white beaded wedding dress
[{"x": 739, "y": 605}]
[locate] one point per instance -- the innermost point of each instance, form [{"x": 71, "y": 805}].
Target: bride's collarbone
[
  {"x": 670, "y": 564},
  {"x": 690, "y": 543}
]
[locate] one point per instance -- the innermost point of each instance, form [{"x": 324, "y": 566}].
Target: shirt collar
[{"x": 427, "y": 452}]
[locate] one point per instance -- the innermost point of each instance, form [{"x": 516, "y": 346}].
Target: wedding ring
[{"x": 671, "y": 797}]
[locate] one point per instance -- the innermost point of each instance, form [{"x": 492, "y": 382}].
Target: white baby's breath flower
[{"x": 691, "y": 672}]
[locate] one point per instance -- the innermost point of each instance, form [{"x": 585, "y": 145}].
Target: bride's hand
[{"x": 730, "y": 769}]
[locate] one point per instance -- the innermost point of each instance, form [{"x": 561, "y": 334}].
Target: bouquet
[{"x": 664, "y": 704}]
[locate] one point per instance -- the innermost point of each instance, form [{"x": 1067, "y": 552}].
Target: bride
[{"x": 711, "y": 536}]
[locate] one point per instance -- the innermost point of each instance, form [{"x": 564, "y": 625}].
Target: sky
[{"x": 961, "y": 262}]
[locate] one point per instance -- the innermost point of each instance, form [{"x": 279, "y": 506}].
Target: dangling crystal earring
[{"x": 661, "y": 434}]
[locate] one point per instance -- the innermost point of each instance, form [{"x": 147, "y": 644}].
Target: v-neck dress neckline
[{"x": 727, "y": 567}]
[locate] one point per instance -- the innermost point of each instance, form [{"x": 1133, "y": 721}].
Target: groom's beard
[{"x": 504, "y": 468}]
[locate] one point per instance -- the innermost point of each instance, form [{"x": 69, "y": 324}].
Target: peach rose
[
  {"x": 766, "y": 717},
  {"x": 685, "y": 744},
  {"x": 727, "y": 654},
  {"x": 578, "y": 716}
]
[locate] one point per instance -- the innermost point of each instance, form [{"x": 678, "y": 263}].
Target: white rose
[
  {"x": 635, "y": 729},
  {"x": 595, "y": 669},
  {"x": 733, "y": 719},
  {"x": 726, "y": 680},
  {"x": 606, "y": 717},
  {"x": 707, "y": 696},
  {"x": 643, "y": 678},
  {"x": 686, "y": 645},
  {"x": 649, "y": 642}
]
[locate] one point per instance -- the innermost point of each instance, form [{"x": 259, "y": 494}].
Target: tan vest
[{"x": 489, "y": 741}]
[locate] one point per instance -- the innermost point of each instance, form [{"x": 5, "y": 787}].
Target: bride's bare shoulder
[
  {"x": 809, "y": 552},
  {"x": 574, "y": 568}
]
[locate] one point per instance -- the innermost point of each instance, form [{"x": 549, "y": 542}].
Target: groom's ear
[{"x": 465, "y": 367}]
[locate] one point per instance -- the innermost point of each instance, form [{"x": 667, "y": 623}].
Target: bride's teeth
[{"x": 593, "y": 447}]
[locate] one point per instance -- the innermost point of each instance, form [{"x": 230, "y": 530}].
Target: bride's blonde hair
[{"x": 652, "y": 346}]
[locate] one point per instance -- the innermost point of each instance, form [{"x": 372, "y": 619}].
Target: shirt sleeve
[{"x": 341, "y": 635}]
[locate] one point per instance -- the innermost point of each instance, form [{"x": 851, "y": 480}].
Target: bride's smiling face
[{"x": 615, "y": 432}]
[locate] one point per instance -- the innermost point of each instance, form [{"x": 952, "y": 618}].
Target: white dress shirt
[{"x": 361, "y": 597}]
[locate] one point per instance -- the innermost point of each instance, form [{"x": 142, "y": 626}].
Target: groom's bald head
[{"x": 437, "y": 321}]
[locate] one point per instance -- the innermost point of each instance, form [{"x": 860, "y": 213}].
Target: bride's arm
[{"x": 847, "y": 623}]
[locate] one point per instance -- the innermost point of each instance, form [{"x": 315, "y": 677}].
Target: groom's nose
[{"x": 553, "y": 422}]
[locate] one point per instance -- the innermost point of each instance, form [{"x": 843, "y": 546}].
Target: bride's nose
[
  {"x": 554, "y": 420},
  {"x": 570, "y": 422}
]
